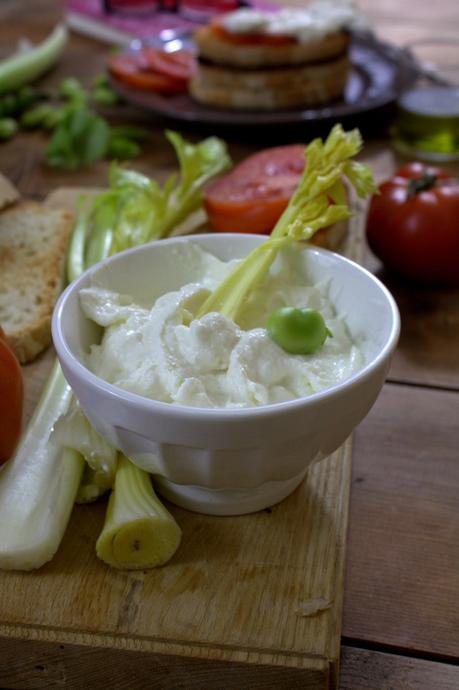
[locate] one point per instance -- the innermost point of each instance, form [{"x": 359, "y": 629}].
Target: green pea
[
  {"x": 122, "y": 149},
  {"x": 8, "y": 128},
  {"x": 298, "y": 331},
  {"x": 103, "y": 95},
  {"x": 53, "y": 118},
  {"x": 36, "y": 117},
  {"x": 100, "y": 80},
  {"x": 71, "y": 89}
]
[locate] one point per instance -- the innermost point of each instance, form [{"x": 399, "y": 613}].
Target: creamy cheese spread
[
  {"x": 162, "y": 353},
  {"x": 318, "y": 19}
]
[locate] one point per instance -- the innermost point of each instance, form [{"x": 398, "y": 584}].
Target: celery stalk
[
  {"x": 139, "y": 532},
  {"x": 73, "y": 430},
  {"x": 38, "y": 486},
  {"x": 100, "y": 241},
  {"x": 76, "y": 258},
  {"x": 25, "y": 67},
  {"x": 319, "y": 201}
]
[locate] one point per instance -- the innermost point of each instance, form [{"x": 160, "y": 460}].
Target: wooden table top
[{"x": 401, "y": 618}]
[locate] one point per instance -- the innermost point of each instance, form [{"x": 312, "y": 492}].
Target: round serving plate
[{"x": 379, "y": 73}]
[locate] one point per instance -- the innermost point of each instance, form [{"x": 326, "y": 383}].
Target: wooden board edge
[
  {"x": 126, "y": 643},
  {"x": 337, "y": 622},
  {"x": 29, "y": 658}
]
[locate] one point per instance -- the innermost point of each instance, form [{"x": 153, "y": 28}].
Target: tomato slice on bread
[
  {"x": 249, "y": 38},
  {"x": 254, "y": 194}
]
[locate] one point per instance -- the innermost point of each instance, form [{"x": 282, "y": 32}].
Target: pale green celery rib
[
  {"x": 139, "y": 532},
  {"x": 23, "y": 68},
  {"x": 230, "y": 295},
  {"x": 38, "y": 485},
  {"x": 100, "y": 241},
  {"x": 75, "y": 259},
  {"x": 93, "y": 485}
]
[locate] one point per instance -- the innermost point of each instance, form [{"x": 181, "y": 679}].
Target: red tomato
[
  {"x": 180, "y": 64},
  {"x": 413, "y": 225},
  {"x": 133, "y": 69},
  {"x": 249, "y": 39},
  {"x": 11, "y": 400},
  {"x": 254, "y": 194},
  {"x": 416, "y": 170}
]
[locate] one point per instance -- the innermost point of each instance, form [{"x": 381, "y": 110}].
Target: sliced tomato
[
  {"x": 180, "y": 64},
  {"x": 254, "y": 194},
  {"x": 11, "y": 400},
  {"x": 250, "y": 39},
  {"x": 134, "y": 70}
]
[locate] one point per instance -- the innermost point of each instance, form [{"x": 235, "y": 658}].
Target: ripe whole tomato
[
  {"x": 11, "y": 400},
  {"x": 413, "y": 224}
]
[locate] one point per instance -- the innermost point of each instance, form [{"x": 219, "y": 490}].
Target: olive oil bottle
[{"x": 427, "y": 123}]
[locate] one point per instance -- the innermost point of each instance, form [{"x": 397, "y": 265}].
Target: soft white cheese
[
  {"x": 164, "y": 354},
  {"x": 304, "y": 24}
]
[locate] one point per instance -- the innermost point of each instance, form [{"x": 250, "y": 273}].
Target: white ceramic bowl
[{"x": 228, "y": 461}]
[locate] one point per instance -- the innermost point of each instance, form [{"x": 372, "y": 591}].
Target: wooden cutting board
[{"x": 229, "y": 612}]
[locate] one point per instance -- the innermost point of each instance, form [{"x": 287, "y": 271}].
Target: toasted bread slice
[
  {"x": 8, "y": 194},
  {"x": 270, "y": 89},
  {"x": 33, "y": 245},
  {"x": 214, "y": 48}
]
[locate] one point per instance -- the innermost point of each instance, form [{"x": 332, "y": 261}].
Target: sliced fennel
[
  {"x": 27, "y": 66},
  {"x": 319, "y": 201},
  {"x": 138, "y": 532},
  {"x": 38, "y": 486}
]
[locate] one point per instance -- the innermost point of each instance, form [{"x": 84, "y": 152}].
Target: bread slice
[
  {"x": 213, "y": 47},
  {"x": 33, "y": 245},
  {"x": 272, "y": 88}
]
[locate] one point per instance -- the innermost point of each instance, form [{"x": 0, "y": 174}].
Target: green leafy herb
[
  {"x": 120, "y": 148},
  {"x": 142, "y": 210},
  {"x": 102, "y": 95},
  {"x": 80, "y": 139},
  {"x": 72, "y": 90},
  {"x": 81, "y": 136},
  {"x": 8, "y": 128}
]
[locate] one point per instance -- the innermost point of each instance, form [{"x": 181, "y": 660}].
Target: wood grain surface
[
  {"x": 233, "y": 593},
  {"x": 403, "y": 592},
  {"x": 370, "y": 670}
]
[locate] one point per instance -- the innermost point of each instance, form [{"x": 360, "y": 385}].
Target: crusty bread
[
  {"x": 33, "y": 244},
  {"x": 268, "y": 89},
  {"x": 257, "y": 75},
  {"x": 213, "y": 47},
  {"x": 8, "y": 194}
]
